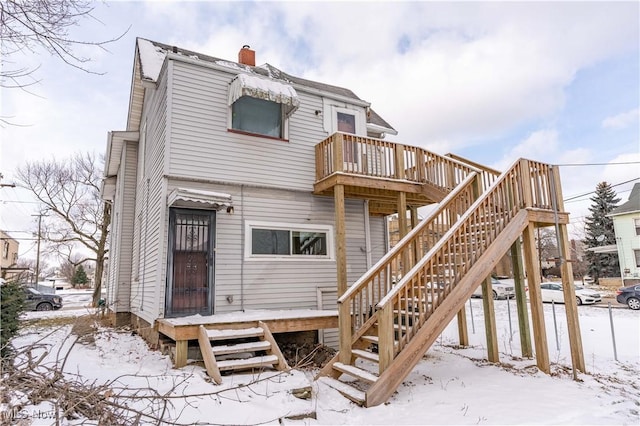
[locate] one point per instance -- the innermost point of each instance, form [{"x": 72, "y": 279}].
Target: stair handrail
[
  {"x": 489, "y": 175},
  {"x": 526, "y": 184},
  {"x": 407, "y": 239},
  {"x": 356, "y": 305}
]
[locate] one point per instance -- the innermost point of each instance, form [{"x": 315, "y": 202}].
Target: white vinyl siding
[
  {"x": 202, "y": 148},
  {"x": 187, "y": 145},
  {"x": 277, "y": 284},
  {"x": 118, "y": 283},
  {"x": 327, "y": 300},
  {"x": 628, "y": 242},
  {"x": 146, "y": 287}
]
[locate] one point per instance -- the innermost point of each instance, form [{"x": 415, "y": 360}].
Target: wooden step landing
[
  {"x": 227, "y": 334},
  {"x": 257, "y": 361},
  {"x": 369, "y": 356},
  {"x": 260, "y": 345},
  {"x": 346, "y": 390},
  {"x": 356, "y": 372},
  {"x": 256, "y": 341}
]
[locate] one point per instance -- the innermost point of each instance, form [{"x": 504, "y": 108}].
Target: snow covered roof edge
[{"x": 152, "y": 55}]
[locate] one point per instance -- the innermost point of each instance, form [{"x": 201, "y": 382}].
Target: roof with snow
[
  {"x": 152, "y": 55},
  {"x": 632, "y": 205}
]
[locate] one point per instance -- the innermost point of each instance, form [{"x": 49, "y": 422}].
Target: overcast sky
[{"x": 493, "y": 82}]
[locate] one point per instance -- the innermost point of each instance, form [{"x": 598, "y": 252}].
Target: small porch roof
[{"x": 185, "y": 197}]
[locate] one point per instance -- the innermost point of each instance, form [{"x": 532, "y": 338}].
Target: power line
[
  {"x": 19, "y": 202},
  {"x": 591, "y": 192},
  {"x": 598, "y": 164}
]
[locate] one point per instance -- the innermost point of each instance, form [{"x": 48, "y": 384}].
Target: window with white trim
[
  {"x": 636, "y": 254},
  {"x": 277, "y": 240},
  {"x": 636, "y": 222}
]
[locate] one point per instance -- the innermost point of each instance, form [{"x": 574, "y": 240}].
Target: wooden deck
[{"x": 183, "y": 329}]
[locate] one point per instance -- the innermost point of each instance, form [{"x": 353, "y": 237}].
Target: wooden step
[
  {"x": 369, "y": 356},
  {"x": 261, "y": 345},
  {"x": 356, "y": 372},
  {"x": 257, "y": 361},
  {"x": 347, "y": 391},
  {"x": 241, "y": 333},
  {"x": 370, "y": 339}
]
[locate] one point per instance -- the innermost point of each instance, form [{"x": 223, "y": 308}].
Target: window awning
[
  {"x": 183, "y": 197},
  {"x": 261, "y": 88}
]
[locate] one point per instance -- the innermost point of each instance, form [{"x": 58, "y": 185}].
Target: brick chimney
[{"x": 247, "y": 56}]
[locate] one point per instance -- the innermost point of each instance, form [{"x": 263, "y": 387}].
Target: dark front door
[{"x": 191, "y": 267}]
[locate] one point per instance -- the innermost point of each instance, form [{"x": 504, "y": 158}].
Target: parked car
[
  {"x": 37, "y": 301},
  {"x": 552, "y": 292},
  {"x": 629, "y": 296},
  {"x": 500, "y": 290}
]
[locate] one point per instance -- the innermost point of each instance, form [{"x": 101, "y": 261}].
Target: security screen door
[{"x": 191, "y": 262}]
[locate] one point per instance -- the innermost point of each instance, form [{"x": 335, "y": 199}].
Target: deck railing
[
  {"x": 408, "y": 304},
  {"x": 347, "y": 153}
]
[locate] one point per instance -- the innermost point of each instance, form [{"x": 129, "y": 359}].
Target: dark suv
[
  {"x": 36, "y": 301},
  {"x": 629, "y": 296}
]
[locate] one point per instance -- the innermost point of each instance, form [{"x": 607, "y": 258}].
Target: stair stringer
[{"x": 408, "y": 358}]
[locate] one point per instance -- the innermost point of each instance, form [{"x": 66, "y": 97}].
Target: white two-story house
[
  {"x": 626, "y": 225},
  {"x": 219, "y": 199}
]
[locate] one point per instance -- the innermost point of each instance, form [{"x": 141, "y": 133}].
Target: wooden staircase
[
  {"x": 239, "y": 349},
  {"x": 385, "y": 326}
]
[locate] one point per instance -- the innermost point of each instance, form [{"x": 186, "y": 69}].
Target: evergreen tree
[
  {"x": 599, "y": 232},
  {"x": 80, "y": 276},
  {"x": 11, "y": 306}
]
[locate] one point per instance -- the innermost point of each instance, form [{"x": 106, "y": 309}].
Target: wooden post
[
  {"x": 344, "y": 311},
  {"x": 570, "y": 304},
  {"x": 338, "y": 152},
  {"x": 182, "y": 348},
  {"x": 490, "y": 321},
  {"x": 402, "y": 229},
  {"x": 535, "y": 298},
  {"x": 521, "y": 300},
  {"x": 463, "y": 331},
  {"x": 341, "y": 239},
  {"x": 400, "y": 172},
  {"x": 568, "y": 288},
  {"x": 416, "y": 249},
  {"x": 386, "y": 339},
  {"x": 344, "y": 331}
]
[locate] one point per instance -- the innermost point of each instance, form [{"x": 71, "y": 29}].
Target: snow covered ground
[{"x": 449, "y": 386}]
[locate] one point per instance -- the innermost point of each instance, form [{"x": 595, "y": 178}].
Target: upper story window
[
  {"x": 636, "y": 222},
  {"x": 260, "y": 106},
  {"x": 253, "y": 115}
]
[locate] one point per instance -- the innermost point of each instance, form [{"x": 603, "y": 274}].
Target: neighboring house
[
  {"x": 8, "y": 255},
  {"x": 212, "y": 188},
  {"x": 626, "y": 224}
]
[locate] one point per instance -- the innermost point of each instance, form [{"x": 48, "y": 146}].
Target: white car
[
  {"x": 499, "y": 289},
  {"x": 552, "y": 292}
]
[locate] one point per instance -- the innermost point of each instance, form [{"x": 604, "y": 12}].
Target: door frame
[{"x": 173, "y": 212}]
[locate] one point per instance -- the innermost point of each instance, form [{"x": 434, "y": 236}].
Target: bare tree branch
[
  {"x": 28, "y": 26},
  {"x": 76, "y": 216}
]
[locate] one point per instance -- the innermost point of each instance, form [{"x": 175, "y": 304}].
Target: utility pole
[{"x": 38, "y": 249}]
